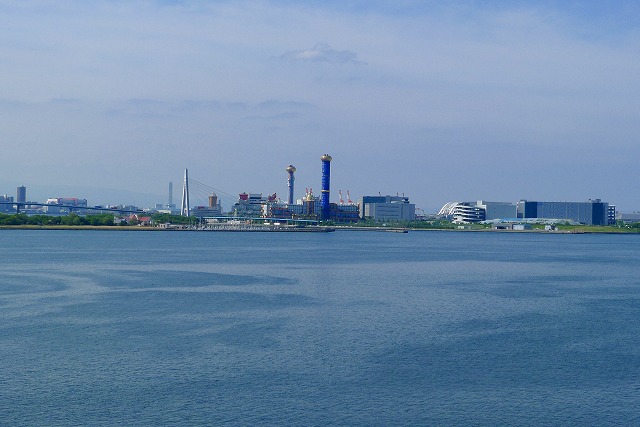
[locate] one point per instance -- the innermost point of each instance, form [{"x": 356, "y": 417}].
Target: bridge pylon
[{"x": 184, "y": 206}]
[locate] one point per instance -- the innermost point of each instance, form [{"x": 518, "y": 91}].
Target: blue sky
[{"x": 442, "y": 101}]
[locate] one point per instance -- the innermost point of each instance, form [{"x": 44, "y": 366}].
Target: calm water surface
[{"x": 345, "y": 328}]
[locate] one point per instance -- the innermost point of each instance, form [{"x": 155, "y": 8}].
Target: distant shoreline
[
  {"x": 401, "y": 230},
  {"x": 80, "y": 227}
]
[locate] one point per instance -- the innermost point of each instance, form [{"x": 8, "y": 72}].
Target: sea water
[{"x": 108, "y": 328}]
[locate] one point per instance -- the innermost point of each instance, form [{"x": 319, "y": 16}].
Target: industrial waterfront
[{"x": 256, "y": 212}]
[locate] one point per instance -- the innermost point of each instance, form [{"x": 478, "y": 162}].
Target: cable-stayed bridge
[
  {"x": 196, "y": 193},
  {"x": 200, "y": 193}
]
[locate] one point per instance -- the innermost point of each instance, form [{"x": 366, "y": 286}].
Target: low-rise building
[
  {"x": 512, "y": 226},
  {"x": 628, "y": 217},
  {"x": 214, "y": 208},
  {"x": 135, "y": 219},
  {"x": 250, "y": 204}
]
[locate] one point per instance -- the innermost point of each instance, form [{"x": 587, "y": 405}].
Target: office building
[
  {"x": 251, "y": 204},
  {"x": 611, "y": 214},
  {"x": 21, "y": 194},
  {"x": 381, "y": 208},
  {"x": 6, "y": 204}
]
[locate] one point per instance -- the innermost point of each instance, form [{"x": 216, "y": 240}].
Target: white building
[
  {"x": 251, "y": 204},
  {"x": 462, "y": 212},
  {"x": 469, "y": 212}
]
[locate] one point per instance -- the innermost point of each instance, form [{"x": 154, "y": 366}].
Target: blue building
[{"x": 591, "y": 212}]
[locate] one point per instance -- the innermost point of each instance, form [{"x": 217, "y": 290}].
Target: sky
[{"x": 439, "y": 101}]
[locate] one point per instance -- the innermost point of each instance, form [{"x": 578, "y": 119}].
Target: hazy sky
[{"x": 442, "y": 101}]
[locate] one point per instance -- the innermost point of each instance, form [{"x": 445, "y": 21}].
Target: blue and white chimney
[{"x": 326, "y": 179}]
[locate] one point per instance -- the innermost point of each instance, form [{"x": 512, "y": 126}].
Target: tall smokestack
[
  {"x": 326, "y": 177},
  {"x": 290, "y": 169},
  {"x": 170, "y": 194}
]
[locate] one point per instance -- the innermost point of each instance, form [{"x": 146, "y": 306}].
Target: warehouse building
[{"x": 591, "y": 212}]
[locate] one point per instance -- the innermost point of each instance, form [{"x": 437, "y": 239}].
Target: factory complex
[{"x": 310, "y": 207}]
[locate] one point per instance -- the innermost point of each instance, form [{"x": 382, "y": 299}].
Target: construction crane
[
  {"x": 341, "y": 199},
  {"x": 349, "y": 201}
]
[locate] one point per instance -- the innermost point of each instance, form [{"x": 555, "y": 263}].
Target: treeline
[
  {"x": 106, "y": 219},
  {"x": 633, "y": 225},
  {"x": 71, "y": 219},
  {"x": 164, "y": 218}
]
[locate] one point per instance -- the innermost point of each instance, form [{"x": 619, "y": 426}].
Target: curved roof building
[{"x": 462, "y": 213}]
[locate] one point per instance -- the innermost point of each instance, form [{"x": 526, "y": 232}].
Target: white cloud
[{"x": 322, "y": 52}]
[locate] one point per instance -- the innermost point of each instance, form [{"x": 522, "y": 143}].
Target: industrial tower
[
  {"x": 290, "y": 169},
  {"x": 326, "y": 178}
]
